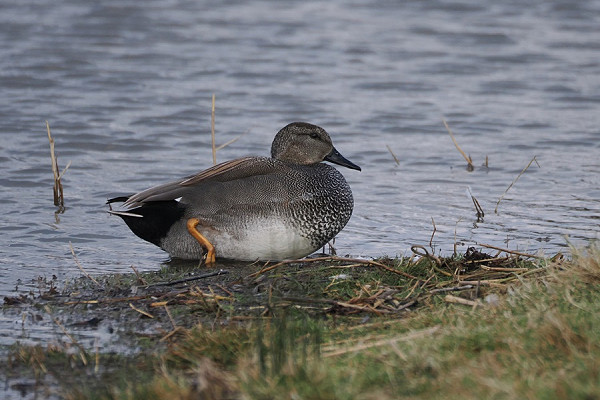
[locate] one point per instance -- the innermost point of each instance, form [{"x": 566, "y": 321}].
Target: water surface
[{"x": 127, "y": 85}]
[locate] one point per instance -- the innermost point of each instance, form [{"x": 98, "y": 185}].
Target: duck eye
[{"x": 314, "y": 135}]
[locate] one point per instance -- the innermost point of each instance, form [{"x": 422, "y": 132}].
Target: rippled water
[{"x": 127, "y": 85}]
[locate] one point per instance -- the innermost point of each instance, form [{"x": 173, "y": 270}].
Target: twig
[
  {"x": 144, "y": 313},
  {"x": 405, "y": 306},
  {"x": 513, "y": 182},
  {"x": 491, "y": 259},
  {"x": 212, "y": 130},
  {"x": 193, "y": 278},
  {"x": 412, "y": 290},
  {"x": 108, "y": 300},
  {"x": 489, "y": 282},
  {"x": 64, "y": 170},
  {"x": 452, "y": 289},
  {"x": 500, "y": 269},
  {"x": 416, "y": 250},
  {"x": 168, "y": 335},
  {"x": 197, "y": 292},
  {"x": 470, "y": 166},
  {"x": 393, "y": 155},
  {"x": 501, "y": 282},
  {"x": 489, "y": 246},
  {"x": 225, "y": 290},
  {"x": 279, "y": 264},
  {"x": 432, "y": 234},
  {"x": 235, "y": 139},
  {"x": 214, "y": 296},
  {"x": 432, "y": 257},
  {"x": 459, "y": 300},
  {"x": 80, "y": 267},
  {"x": 335, "y": 303},
  {"x": 170, "y": 317},
  {"x": 139, "y": 277}
]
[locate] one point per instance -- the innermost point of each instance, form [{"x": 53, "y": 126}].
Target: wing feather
[{"x": 228, "y": 171}]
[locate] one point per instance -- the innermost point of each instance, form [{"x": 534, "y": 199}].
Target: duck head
[{"x": 306, "y": 144}]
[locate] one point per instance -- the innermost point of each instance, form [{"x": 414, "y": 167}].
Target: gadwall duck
[{"x": 251, "y": 208}]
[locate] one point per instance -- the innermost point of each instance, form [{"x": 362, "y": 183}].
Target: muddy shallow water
[{"x": 126, "y": 87}]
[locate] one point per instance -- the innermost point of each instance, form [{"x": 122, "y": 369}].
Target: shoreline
[{"x": 251, "y": 323}]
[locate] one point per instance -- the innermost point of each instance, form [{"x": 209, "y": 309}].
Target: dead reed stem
[
  {"x": 451, "y": 289},
  {"x": 235, "y": 139},
  {"x": 212, "y": 130},
  {"x": 478, "y": 208},
  {"x": 170, "y": 317},
  {"x": 140, "y": 279},
  {"x": 80, "y": 267},
  {"x": 59, "y": 199},
  {"x": 470, "y": 166},
  {"x": 513, "y": 182},
  {"x": 393, "y": 155},
  {"x": 186, "y": 280},
  {"x": 422, "y": 252},
  {"x": 459, "y": 300},
  {"x": 432, "y": 234},
  {"x": 144, "y": 313},
  {"x": 337, "y": 303}
]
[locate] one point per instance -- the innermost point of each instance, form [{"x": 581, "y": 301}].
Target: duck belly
[{"x": 271, "y": 240}]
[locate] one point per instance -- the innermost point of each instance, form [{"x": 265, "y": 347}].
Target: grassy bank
[{"x": 477, "y": 325}]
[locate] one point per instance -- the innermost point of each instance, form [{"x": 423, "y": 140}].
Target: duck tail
[
  {"x": 120, "y": 199},
  {"x": 152, "y": 221}
]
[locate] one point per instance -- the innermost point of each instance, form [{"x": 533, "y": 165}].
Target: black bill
[{"x": 335, "y": 157}]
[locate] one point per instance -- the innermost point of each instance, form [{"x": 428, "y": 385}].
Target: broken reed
[
  {"x": 470, "y": 166},
  {"x": 59, "y": 199},
  {"x": 516, "y": 179}
]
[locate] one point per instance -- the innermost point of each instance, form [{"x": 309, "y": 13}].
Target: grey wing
[
  {"x": 224, "y": 172},
  {"x": 164, "y": 192}
]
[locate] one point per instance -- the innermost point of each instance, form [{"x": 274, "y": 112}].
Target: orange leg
[{"x": 210, "y": 249}]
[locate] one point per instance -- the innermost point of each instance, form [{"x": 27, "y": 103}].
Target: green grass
[{"x": 304, "y": 335}]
